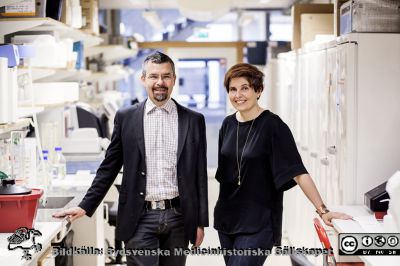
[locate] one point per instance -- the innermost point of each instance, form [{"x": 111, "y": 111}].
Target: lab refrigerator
[
  {"x": 368, "y": 117},
  {"x": 350, "y": 120},
  {"x": 345, "y": 106}
]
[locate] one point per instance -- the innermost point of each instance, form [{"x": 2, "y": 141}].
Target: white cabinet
[
  {"x": 283, "y": 92},
  {"x": 329, "y": 151},
  {"x": 345, "y": 106},
  {"x": 370, "y": 111},
  {"x": 346, "y": 124},
  {"x": 89, "y": 232}
]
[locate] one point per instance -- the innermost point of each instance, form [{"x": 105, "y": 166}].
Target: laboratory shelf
[
  {"x": 111, "y": 53},
  {"x": 18, "y": 125},
  {"x": 72, "y": 75},
  {"x": 109, "y": 76},
  {"x": 39, "y": 73},
  {"x": 11, "y": 25},
  {"x": 58, "y": 75},
  {"x": 24, "y": 111}
]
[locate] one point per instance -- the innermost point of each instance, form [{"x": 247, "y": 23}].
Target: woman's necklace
[{"x": 239, "y": 162}]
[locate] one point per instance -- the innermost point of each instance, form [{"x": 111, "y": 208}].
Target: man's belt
[{"x": 162, "y": 204}]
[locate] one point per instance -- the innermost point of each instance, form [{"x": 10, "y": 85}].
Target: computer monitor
[{"x": 88, "y": 119}]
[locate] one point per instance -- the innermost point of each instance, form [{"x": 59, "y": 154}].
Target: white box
[{"x": 55, "y": 92}]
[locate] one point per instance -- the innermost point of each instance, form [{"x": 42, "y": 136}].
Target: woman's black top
[{"x": 270, "y": 162}]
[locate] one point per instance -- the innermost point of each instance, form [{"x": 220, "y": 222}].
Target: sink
[{"x": 55, "y": 202}]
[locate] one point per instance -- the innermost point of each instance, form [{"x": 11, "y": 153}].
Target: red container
[{"x": 18, "y": 210}]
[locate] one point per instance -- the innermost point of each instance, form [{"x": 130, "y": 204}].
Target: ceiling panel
[{"x": 151, "y": 4}]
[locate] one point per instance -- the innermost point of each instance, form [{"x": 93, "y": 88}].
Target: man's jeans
[{"x": 158, "y": 231}]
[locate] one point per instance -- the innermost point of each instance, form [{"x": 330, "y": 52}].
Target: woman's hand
[
  {"x": 327, "y": 217},
  {"x": 200, "y": 236}
]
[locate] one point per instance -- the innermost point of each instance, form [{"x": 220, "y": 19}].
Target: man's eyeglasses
[{"x": 166, "y": 77}]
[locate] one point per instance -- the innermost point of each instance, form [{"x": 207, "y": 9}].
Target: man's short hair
[{"x": 158, "y": 58}]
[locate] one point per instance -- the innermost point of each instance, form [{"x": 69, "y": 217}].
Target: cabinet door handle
[
  {"x": 332, "y": 149},
  {"x": 106, "y": 212},
  {"x": 324, "y": 161}
]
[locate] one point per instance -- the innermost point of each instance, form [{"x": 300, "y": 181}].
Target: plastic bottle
[
  {"x": 45, "y": 153},
  {"x": 42, "y": 179},
  {"x": 59, "y": 166}
]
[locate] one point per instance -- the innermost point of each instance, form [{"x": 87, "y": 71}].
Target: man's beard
[{"x": 161, "y": 97}]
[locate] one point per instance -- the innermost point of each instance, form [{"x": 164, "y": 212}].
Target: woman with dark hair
[{"x": 257, "y": 161}]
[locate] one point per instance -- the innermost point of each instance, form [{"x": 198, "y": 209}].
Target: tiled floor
[{"x": 211, "y": 239}]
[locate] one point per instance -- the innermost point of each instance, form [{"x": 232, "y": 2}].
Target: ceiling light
[
  {"x": 138, "y": 37},
  {"x": 153, "y": 19},
  {"x": 245, "y": 20},
  {"x": 205, "y": 10},
  {"x": 122, "y": 28}
]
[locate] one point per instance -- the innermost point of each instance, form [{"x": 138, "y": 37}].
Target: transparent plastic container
[
  {"x": 59, "y": 166},
  {"x": 43, "y": 171}
]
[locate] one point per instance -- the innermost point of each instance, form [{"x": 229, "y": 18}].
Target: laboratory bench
[
  {"x": 49, "y": 231},
  {"x": 363, "y": 221},
  {"x": 88, "y": 232}
]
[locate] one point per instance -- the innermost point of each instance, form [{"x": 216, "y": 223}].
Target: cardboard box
[
  {"x": 90, "y": 16},
  {"x": 87, "y": 3},
  {"x": 313, "y": 24},
  {"x": 299, "y": 9},
  {"x": 24, "y": 8}
]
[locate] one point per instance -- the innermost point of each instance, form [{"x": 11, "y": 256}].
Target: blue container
[{"x": 11, "y": 52}]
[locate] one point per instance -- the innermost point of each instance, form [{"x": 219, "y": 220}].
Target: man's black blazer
[{"x": 127, "y": 149}]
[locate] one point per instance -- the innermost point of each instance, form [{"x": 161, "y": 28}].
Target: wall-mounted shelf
[
  {"x": 108, "y": 77},
  {"x": 111, "y": 53},
  {"x": 18, "y": 125},
  {"x": 28, "y": 111},
  {"x": 72, "y": 75},
  {"x": 10, "y": 25},
  {"x": 59, "y": 75},
  {"x": 41, "y": 73},
  {"x": 55, "y": 105}
]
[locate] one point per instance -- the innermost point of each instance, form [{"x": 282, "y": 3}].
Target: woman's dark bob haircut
[{"x": 251, "y": 73}]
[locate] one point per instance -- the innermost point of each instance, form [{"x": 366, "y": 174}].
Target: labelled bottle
[
  {"x": 59, "y": 166},
  {"x": 43, "y": 179},
  {"x": 46, "y": 154}
]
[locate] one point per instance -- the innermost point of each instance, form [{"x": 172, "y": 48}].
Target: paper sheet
[{"x": 369, "y": 224}]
